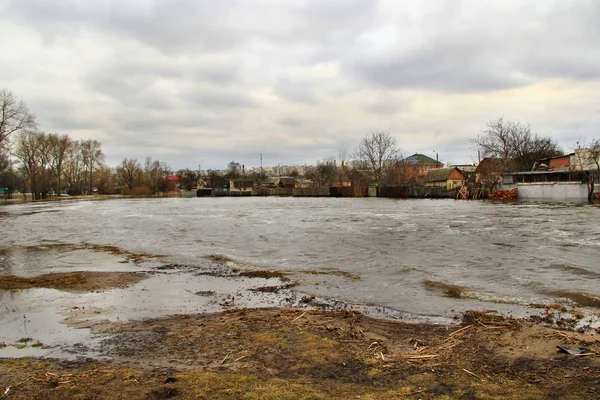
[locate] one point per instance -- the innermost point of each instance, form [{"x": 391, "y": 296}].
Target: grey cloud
[
  {"x": 387, "y": 104},
  {"x": 298, "y": 91},
  {"x": 58, "y": 115},
  {"x": 292, "y": 122},
  {"x": 223, "y": 75},
  {"x": 488, "y": 49},
  {"x": 216, "y": 98},
  {"x": 447, "y": 68},
  {"x": 171, "y": 26}
]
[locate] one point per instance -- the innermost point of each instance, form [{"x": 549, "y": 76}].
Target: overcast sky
[{"x": 204, "y": 82}]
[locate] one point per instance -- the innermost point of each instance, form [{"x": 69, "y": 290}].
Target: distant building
[
  {"x": 447, "y": 178},
  {"x": 465, "y": 168},
  {"x": 280, "y": 182},
  {"x": 583, "y": 160},
  {"x": 173, "y": 183},
  {"x": 560, "y": 163},
  {"x": 489, "y": 171},
  {"x": 234, "y": 166},
  {"x": 240, "y": 185},
  {"x": 420, "y": 164}
]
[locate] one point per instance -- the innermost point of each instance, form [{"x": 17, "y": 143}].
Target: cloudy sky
[{"x": 207, "y": 81}]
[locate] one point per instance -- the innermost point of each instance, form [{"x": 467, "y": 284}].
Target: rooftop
[{"x": 423, "y": 159}]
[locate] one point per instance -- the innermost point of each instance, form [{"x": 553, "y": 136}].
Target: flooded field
[{"x": 88, "y": 262}]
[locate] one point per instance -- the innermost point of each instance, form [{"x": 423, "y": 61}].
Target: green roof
[{"x": 423, "y": 159}]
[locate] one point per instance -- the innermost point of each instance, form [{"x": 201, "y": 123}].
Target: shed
[{"x": 448, "y": 178}]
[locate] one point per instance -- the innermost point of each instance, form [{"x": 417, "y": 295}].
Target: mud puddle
[
  {"x": 51, "y": 295},
  {"x": 60, "y": 313}
]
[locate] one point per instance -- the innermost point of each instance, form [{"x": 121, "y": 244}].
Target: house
[
  {"x": 489, "y": 171},
  {"x": 585, "y": 160},
  {"x": 465, "y": 168},
  {"x": 173, "y": 183},
  {"x": 560, "y": 163},
  {"x": 447, "y": 178},
  {"x": 420, "y": 164},
  {"x": 280, "y": 182},
  {"x": 240, "y": 184}
]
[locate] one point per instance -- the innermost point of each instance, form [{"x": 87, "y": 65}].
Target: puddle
[
  {"x": 70, "y": 324},
  {"x": 35, "y": 314},
  {"x": 64, "y": 323},
  {"x": 28, "y": 261}
]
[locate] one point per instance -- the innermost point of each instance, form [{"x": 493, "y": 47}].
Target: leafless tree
[
  {"x": 515, "y": 143},
  {"x": 130, "y": 173},
  {"x": 14, "y": 116},
  {"x": 156, "y": 173},
  {"x": 58, "y": 148},
  {"x": 593, "y": 159},
  {"x": 74, "y": 169},
  {"x": 401, "y": 172},
  {"x": 377, "y": 152},
  {"x": 342, "y": 171},
  {"x": 92, "y": 156},
  {"x": 594, "y": 153},
  {"x": 8, "y": 177},
  {"x": 29, "y": 150},
  {"x": 587, "y": 161},
  {"x": 105, "y": 178},
  {"x": 326, "y": 172}
]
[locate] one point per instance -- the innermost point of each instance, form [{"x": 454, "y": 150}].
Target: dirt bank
[
  {"x": 81, "y": 281},
  {"x": 291, "y": 354}
]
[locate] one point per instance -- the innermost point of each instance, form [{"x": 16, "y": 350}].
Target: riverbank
[
  {"x": 20, "y": 198},
  {"x": 291, "y": 354}
]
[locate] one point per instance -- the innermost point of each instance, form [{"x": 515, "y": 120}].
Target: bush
[{"x": 141, "y": 191}]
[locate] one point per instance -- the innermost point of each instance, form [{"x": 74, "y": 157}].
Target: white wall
[{"x": 552, "y": 191}]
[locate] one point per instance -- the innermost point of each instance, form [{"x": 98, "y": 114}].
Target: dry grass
[
  {"x": 305, "y": 354},
  {"x": 81, "y": 281}
]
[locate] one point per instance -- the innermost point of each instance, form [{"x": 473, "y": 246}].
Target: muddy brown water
[{"x": 421, "y": 259}]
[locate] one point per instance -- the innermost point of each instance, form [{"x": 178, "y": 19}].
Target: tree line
[{"x": 50, "y": 163}]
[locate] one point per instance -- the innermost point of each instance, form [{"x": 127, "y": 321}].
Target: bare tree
[
  {"x": 30, "y": 152},
  {"x": 92, "y": 156},
  {"x": 130, "y": 173},
  {"x": 8, "y": 177},
  {"x": 594, "y": 153},
  {"x": 156, "y": 174},
  {"x": 515, "y": 144},
  {"x": 189, "y": 178},
  {"x": 14, "y": 116},
  {"x": 58, "y": 148},
  {"x": 74, "y": 169},
  {"x": 105, "y": 178},
  {"x": 593, "y": 159},
  {"x": 587, "y": 161},
  {"x": 401, "y": 172},
  {"x": 342, "y": 167},
  {"x": 326, "y": 172},
  {"x": 377, "y": 152}
]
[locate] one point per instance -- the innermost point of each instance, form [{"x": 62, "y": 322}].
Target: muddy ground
[
  {"x": 301, "y": 353},
  {"x": 77, "y": 282},
  {"x": 309, "y": 354}
]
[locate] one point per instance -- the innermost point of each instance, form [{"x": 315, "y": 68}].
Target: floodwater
[{"x": 427, "y": 259}]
